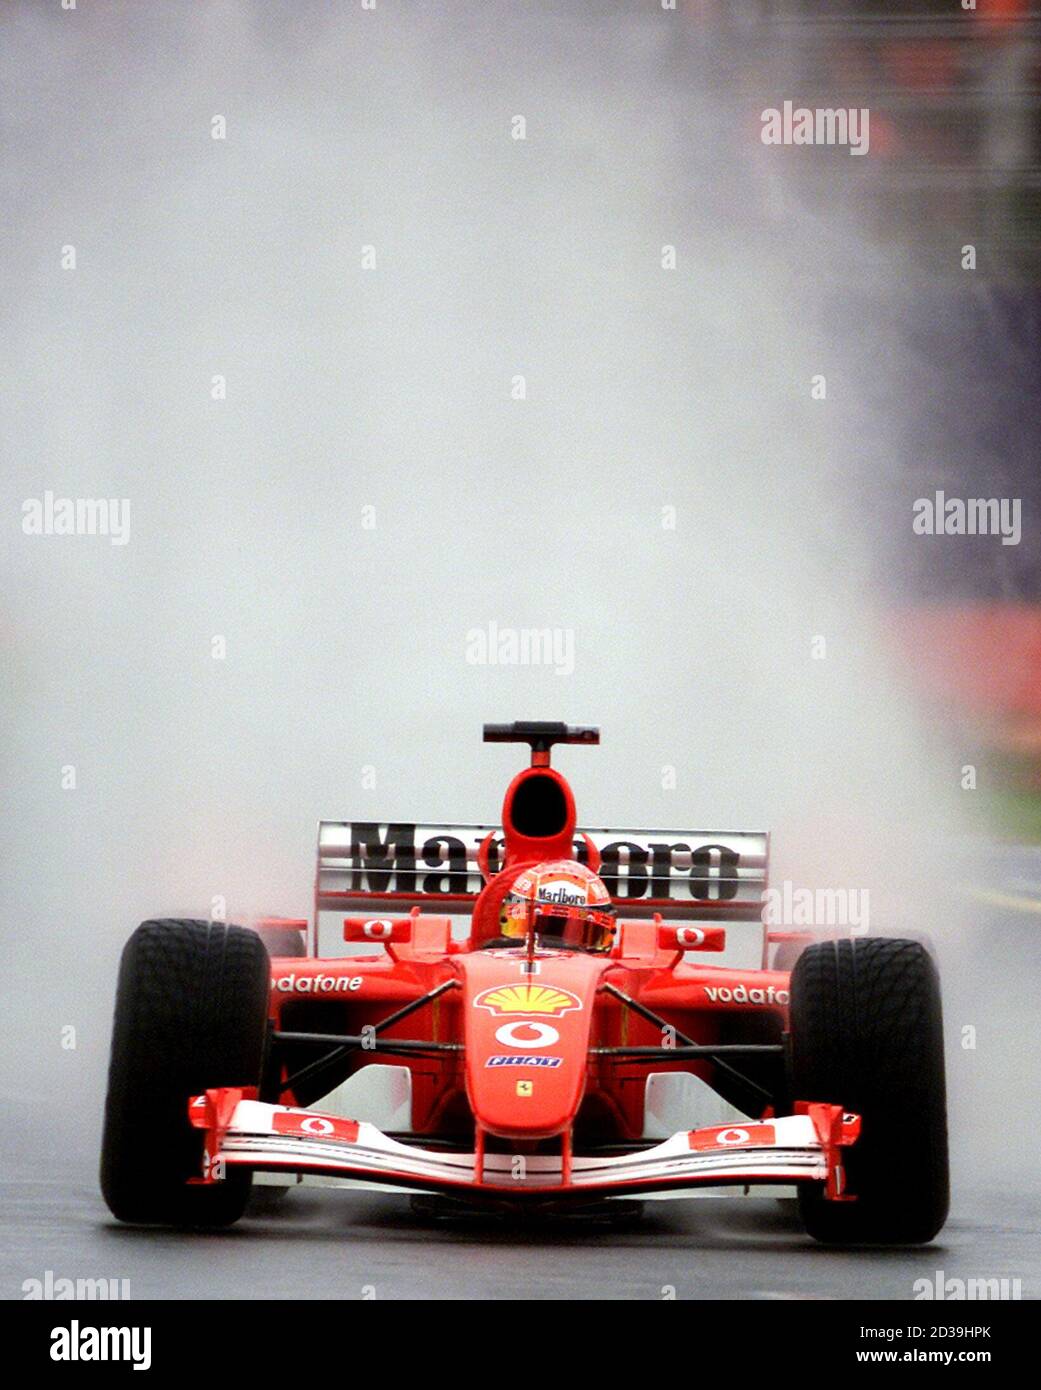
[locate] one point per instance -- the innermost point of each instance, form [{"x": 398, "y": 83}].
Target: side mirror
[
  {"x": 382, "y": 930},
  {"x": 691, "y": 938}
]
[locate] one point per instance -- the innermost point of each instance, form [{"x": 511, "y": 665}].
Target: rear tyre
[
  {"x": 191, "y": 1013},
  {"x": 867, "y": 1034}
]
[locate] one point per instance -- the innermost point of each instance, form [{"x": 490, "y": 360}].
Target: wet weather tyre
[
  {"x": 867, "y": 1034},
  {"x": 191, "y": 1013}
]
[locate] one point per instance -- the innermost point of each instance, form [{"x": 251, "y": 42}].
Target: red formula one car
[{"x": 562, "y": 1054}]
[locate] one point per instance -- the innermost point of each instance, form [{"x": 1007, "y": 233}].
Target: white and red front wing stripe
[{"x": 252, "y": 1134}]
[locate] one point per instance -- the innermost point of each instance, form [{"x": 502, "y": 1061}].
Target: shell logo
[{"x": 527, "y": 999}]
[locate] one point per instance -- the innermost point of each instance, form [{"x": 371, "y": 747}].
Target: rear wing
[{"x": 370, "y": 866}]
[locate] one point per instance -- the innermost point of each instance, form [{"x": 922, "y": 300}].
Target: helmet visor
[
  {"x": 577, "y": 928},
  {"x": 580, "y": 928}
]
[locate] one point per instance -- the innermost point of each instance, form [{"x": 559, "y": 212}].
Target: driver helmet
[{"x": 567, "y": 904}]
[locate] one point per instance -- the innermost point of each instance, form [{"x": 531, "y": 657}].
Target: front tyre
[
  {"x": 191, "y": 1014},
  {"x": 867, "y": 1034}
]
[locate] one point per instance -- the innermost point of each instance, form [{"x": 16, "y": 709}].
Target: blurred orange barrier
[{"x": 983, "y": 658}]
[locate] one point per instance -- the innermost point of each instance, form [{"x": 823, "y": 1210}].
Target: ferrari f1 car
[{"x": 531, "y": 1061}]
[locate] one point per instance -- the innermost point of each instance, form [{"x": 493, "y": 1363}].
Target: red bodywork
[
  {"x": 532, "y": 1067},
  {"x": 655, "y": 976}
]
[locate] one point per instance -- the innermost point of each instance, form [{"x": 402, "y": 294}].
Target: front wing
[{"x": 242, "y": 1132}]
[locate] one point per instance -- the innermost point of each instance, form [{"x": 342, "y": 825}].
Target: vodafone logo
[
  {"x": 315, "y": 1126},
  {"x": 379, "y": 929},
  {"x": 746, "y": 994},
  {"x": 527, "y": 1035},
  {"x": 731, "y": 1136},
  {"x": 317, "y": 984},
  {"x": 690, "y": 936}
]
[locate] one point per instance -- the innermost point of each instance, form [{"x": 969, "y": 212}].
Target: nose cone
[{"x": 527, "y": 1031}]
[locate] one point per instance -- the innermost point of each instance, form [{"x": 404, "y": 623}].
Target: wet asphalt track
[
  {"x": 327, "y": 1244},
  {"x": 336, "y": 1245}
]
